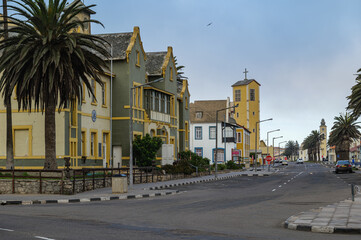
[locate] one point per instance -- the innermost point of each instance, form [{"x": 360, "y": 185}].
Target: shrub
[{"x": 145, "y": 149}]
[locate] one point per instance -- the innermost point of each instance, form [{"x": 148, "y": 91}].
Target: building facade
[
  {"x": 230, "y": 136},
  {"x": 247, "y": 114},
  {"x": 94, "y": 132}
]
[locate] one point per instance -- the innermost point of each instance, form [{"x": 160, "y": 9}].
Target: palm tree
[
  {"x": 343, "y": 131},
  {"x": 48, "y": 61},
  {"x": 312, "y": 144},
  {"x": 354, "y": 103},
  {"x": 7, "y": 103}
]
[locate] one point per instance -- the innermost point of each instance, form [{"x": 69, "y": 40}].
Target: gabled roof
[
  {"x": 208, "y": 109},
  {"x": 244, "y": 82},
  {"x": 154, "y": 63},
  {"x": 184, "y": 88},
  {"x": 123, "y": 43},
  {"x": 157, "y": 62}
]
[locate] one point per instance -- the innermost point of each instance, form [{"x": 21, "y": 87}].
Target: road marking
[
  {"x": 280, "y": 186},
  {"x": 273, "y": 190},
  {"x": 284, "y": 183},
  {"x": 288, "y": 180},
  {"x": 7, "y": 230},
  {"x": 44, "y": 238}
]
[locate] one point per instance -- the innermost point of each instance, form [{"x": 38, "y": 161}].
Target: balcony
[{"x": 158, "y": 116}]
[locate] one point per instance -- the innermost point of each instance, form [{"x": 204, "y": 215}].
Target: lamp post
[
  {"x": 273, "y": 145},
  {"x": 216, "y": 155},
  {"x": 268, "y": 140},
  {"x": 255, "y": 147},
  {"x": 131, "y": 129},
  {"x": 279, "y": 146}
]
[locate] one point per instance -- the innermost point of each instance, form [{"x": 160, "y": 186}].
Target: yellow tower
[
  {"x": 246, "y": 95},
  {"x": 323, "y": 145}
]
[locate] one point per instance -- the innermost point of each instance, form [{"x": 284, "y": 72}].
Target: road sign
[{"x": 268, "y": 158}]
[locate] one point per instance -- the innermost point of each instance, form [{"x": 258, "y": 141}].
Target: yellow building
[
  {"x": 246, "y": 95},
  {"x": 243, "y": 143}
]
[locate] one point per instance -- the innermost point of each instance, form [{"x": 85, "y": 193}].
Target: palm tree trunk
[
  {"x": 9, "y": 121},
  {"x": 9, "y": 136},
  {"x": 50, "y": 137}
]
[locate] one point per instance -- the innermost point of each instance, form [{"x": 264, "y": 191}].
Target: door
[{"x": 117, "y": 156}]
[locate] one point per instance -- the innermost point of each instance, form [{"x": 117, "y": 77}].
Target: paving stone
[
  {"x": 322, "y": 229},
  {"x": 302, "y": 221}
]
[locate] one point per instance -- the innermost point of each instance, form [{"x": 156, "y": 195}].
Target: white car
[
  {"x": 284, "y": 162},
  {"x": 299, "y": 161}
]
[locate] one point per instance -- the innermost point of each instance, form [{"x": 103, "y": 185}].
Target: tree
[
  {"x": 343, "y": 131},
  {"x": 48, "y": 61},
  {"x": 145, "y": 149},
  {"x": 354, "y": 103},
  {"x": 312, "y": 144},
  {"x": 7, "y": 103},
  {"x": 179, "y": 70}
]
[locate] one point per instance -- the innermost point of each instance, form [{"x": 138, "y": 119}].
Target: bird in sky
[{"x": 209, "y": 24}]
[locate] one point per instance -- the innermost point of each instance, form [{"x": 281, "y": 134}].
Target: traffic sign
[{"x": 268, "y": 158}]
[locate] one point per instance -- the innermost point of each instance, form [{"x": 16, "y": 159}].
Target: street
[{"x": 238, "y": 208}]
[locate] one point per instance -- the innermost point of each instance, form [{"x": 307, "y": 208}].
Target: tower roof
[{"x": 245, "y": 82}]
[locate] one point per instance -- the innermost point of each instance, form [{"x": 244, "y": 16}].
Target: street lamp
[
  {"x": 273, "y": 145},
  {"x": 255, "y": 149},
  {"x": 131, "y": 129},
  {"x": 279, "y": 146},
  {"x": 268, "y": 140},
  {"x": 216, "y": 157}
]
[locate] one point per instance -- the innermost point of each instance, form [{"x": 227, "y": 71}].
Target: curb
[
  {"x": 321, "y": 229},
  {"x": 206, "y": 180},
  {"x": 82, "y": 200}
]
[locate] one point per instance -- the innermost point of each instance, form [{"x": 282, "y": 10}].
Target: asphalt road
[{"x": 239, "y": 208}]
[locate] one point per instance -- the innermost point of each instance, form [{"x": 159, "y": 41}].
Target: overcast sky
[{"x": 304, "y": 53}]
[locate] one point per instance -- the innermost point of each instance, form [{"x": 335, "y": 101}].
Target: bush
[
  {"x": 145, "y": 149},
  {"x": 187, "y": 161},
  {"x": 232, "y": 165}
]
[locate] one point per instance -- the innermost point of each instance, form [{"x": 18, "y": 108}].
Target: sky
[{"x": 304, "y": 53}]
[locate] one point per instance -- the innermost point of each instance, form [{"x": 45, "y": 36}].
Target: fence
[{"x": 71, "y": 181}]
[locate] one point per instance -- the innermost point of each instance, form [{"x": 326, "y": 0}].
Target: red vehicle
[{"x": 343, "y": 166}]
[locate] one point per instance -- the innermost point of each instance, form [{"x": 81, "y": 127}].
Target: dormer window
[{"x": 199, "y": 115}]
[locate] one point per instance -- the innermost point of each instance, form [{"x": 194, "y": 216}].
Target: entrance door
[{"x": 117, "y": 156}]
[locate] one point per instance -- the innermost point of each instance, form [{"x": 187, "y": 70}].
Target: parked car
[
  {"x": 343, "y": 166},
  {"x": 299, "y": 161},
  {"x": 284, "y": 162}
]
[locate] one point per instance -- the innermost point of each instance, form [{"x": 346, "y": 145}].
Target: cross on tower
[{"x": 245, "y": 73}]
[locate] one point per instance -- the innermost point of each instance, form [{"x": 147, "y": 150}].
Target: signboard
[
  {"x": 236, "y": 152},
  {"x": 269, "y": 159}
]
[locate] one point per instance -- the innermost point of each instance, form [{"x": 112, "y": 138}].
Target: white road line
[
  {"x": 273, "y": 190},
  {"x": 44, "y": 238},
  {"x": 288, "y": 180},
  {"x": 284, "y": 183},
  {"x": 280, "y": 186},
  {"x": 7, "y": 230}
]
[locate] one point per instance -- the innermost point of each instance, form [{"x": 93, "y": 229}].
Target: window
[
  {"x": 168, "y": 105},
  {"x": 212, "y": 132},
  {"x": 253, "y": 113},
  {"x": 104, "y": 94},
  {"x": 252, "y": 95},
  {"x": 199, "y": 115},
  {"x": 93, "y": 84},
  {"x": 22, "y": 139},
  {"x": 83, "y": 93},
  {"x": 138, "y": 59},
  {"x": 152, "y": 100},
  {"x": 198, "y": 133},
  {"x": 199, "y": 151},
  {"x": 162, "y": 103},
  {"x": 228, "y": 132},
  {"x": 93, "y": 143},
  {"x": 237, "y": 94},
  {"x": 237, "y": 115},
  {"x": 239, "y": 137},
  {"x": 83, "y": 143},
  {"x": 171, "y": 74}
]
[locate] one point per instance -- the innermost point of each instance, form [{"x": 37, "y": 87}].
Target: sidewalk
[
  {"x": 105, "y": 194},
  {"x": 341, "y": 217}
]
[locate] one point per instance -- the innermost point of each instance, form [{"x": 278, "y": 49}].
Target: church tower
[
  {"x": 323, "y": 145},
  {"x": 246, "y": 95}
]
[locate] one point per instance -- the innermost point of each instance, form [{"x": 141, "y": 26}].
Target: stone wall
[{"x": 66, "y": 186}]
